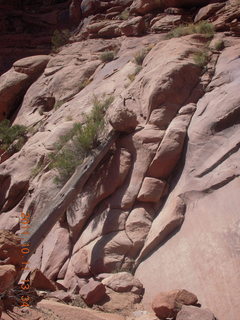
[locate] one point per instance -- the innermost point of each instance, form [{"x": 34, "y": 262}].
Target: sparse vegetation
[
  {"x": 12, "y": 134},
  {"x": 37, "y": 169},
  {"x": 58, "y": 104},
  {"x": 203, "y": 27},
  {"x": 84, "y": 83},
  {"x": 73, "y": 147},
  {"x": 107, "y": 56},
  {"x": 124, "y": 15},
  {"x": 201, "y": 58},
  {"x": 219, "y": 45},
  {"x": 132, "y": 76},
  {"x": 140, "y": 56},
  {"x": 60, "y": 38}
]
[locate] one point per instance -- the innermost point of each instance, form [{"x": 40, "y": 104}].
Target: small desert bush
[
  {"x": 60, "y": 38},
  {"x": 107, "y": 56},
  {"x": 124, "y": 15},
  {"x": 219, "y": 45},
  {"x": 140, "y": 56},
  {"x": 201, "y": 58},
  {"x": 203, "y": 27},
  {"x": 10, "y": 134},
  {"x": 77, "y": 144}
]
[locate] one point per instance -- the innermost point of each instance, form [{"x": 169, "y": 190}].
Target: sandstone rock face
[
  {"x": 209, "y": 179},
  {"x": 191, "y": 313},
  {"x": 93, "y": 292}
]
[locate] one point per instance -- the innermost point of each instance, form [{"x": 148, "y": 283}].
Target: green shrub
[
  {"x": 201, "y": 58},
  {"x": 60, "y": 38},
  {"x": 107, "y": 56},
  {"x": 78, "y": 143},
  {"x": 202, "y": 27},
  {"x": 219, "y": 45},
  {"x": 8, "y": 135}
]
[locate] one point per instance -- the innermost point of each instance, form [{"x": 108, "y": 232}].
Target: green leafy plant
[
  {"x": 10, "y": 134},
  {"x": 201, "y": 58},
  {"x": 107, "y": 56},
  {"x": 203, "y": 27},
  {"x": 77, "y": 144},
  {"x": 60, "y": 38}
]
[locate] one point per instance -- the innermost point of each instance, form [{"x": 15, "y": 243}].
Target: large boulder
[
  {"x": 40, "y": 282},
  {"x": 151, "y": 190}
]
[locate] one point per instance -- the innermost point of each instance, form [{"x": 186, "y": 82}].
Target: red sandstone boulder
[
  {"x": 167, "y": 304},
  {"x": 39, "y": 281},
  {"x": 93, "y": 292}
]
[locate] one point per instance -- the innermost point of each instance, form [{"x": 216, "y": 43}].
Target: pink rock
[
  {"x": 93, "y": 292},
  {"x": 151, "y": 190}
]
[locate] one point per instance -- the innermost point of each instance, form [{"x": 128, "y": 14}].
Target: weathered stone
[
  {"x": 93, "y": 292},
  {"x": 122, "y": 119},
  {"x": 109, "y": 32},
  {"x": 32, "y": 66},
  {"x": 170, "y": 149},
  {"x": 151, "y": 190},
  {"x": 206, "y": 12},
  {"x": 133, "y": 27}
]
